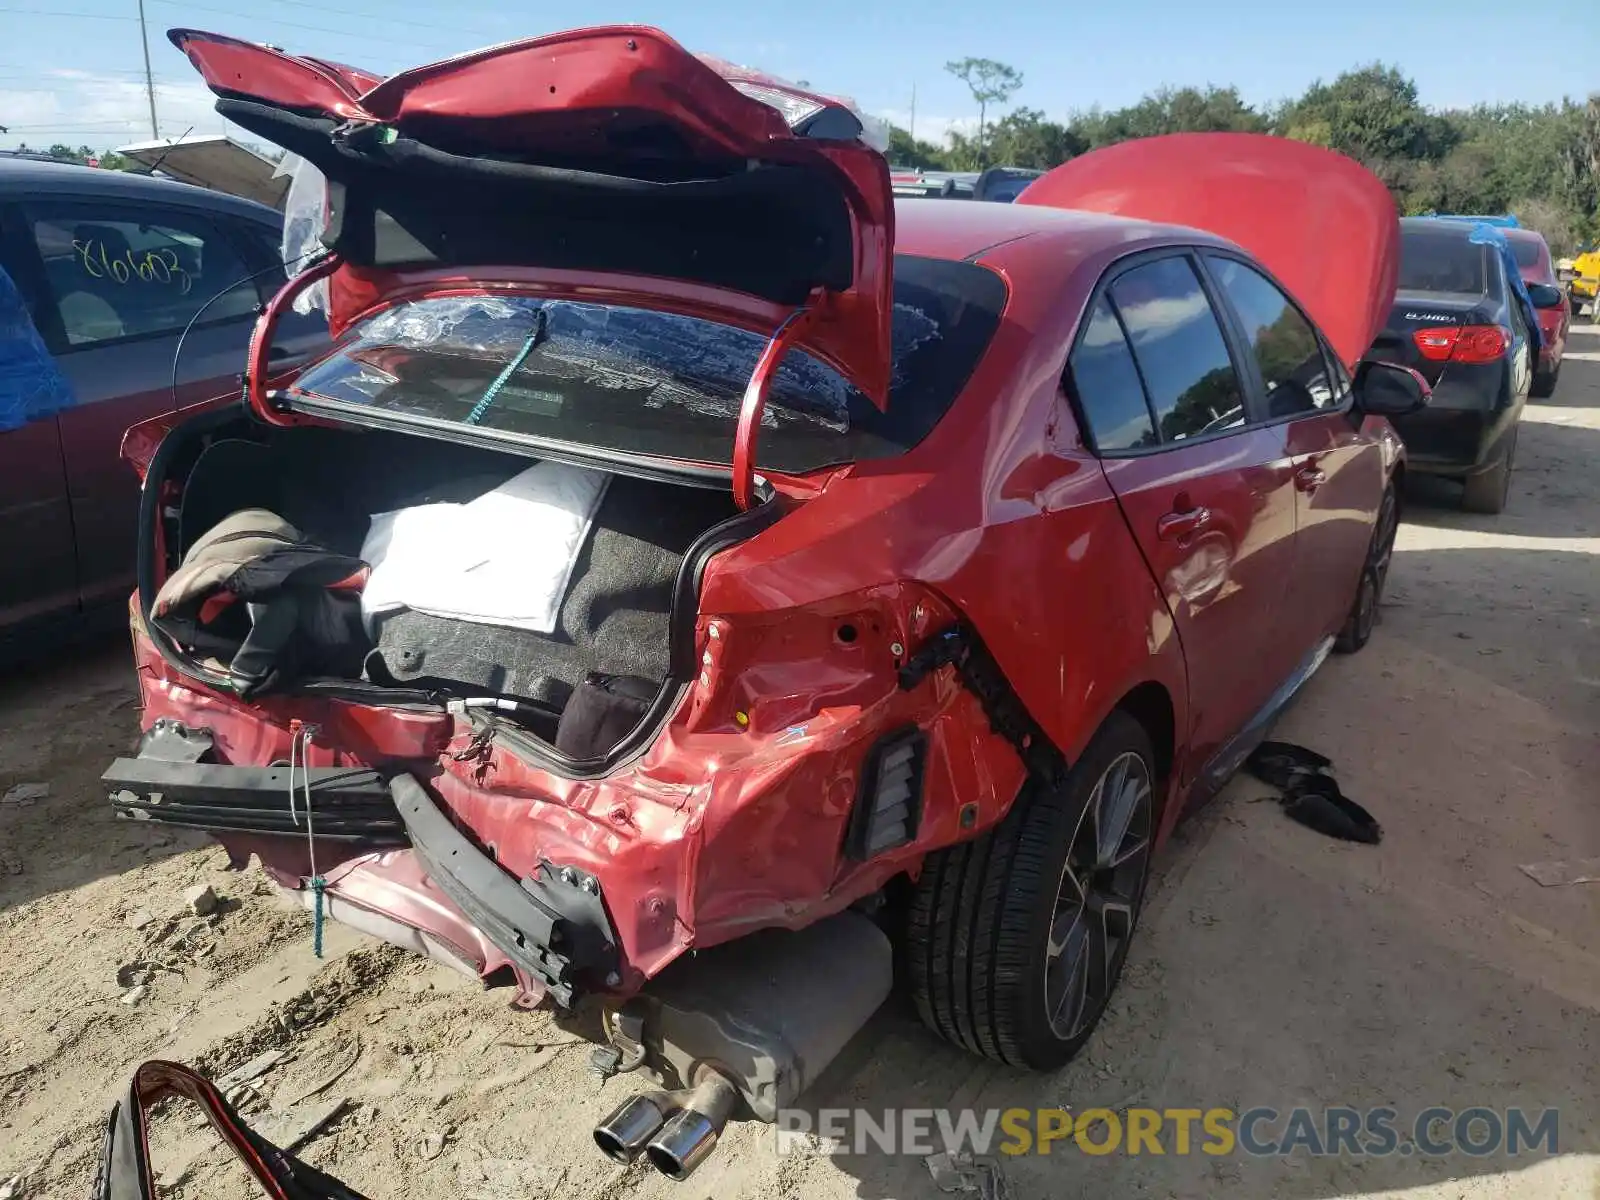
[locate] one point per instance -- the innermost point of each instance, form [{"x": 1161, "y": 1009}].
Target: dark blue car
[{"x": 1463, "y": 319}]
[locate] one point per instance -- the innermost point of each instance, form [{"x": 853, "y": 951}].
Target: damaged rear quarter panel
[{"x": 1004, "y": 515}]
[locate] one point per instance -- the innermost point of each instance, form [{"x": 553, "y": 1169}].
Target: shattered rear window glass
[{"x": 643, "y": 382}]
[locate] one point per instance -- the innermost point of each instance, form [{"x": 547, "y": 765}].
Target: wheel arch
[{"x": 1150, "y": 704}]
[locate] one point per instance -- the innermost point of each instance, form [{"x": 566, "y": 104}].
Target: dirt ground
[{"x": 1274, "y": 967}]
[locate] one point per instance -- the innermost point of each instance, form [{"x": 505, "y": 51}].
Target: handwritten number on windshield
[{"x": 150, "y": 266}]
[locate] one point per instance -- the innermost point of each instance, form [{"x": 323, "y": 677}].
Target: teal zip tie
[
  {"x": 318, "y": 886},
  {"x": 493, "y": 390}
]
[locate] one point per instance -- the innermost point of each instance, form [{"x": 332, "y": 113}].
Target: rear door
[
  {"x": 123, "y": 280},
  {"x": 38, "y": 570},
  {"x": 1208, "y": 495},
  {"x": 1338, "y": 471}
]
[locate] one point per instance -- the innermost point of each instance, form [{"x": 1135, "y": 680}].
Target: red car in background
[
  {"x": 948, "y": 552},
  {"x": 1549, "y": 301}
]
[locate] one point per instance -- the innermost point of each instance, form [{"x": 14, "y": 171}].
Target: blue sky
[{"x": 71, "y": 70}]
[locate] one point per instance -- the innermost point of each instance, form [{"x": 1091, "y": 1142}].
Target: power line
[
  {"x": 347, "y": 33},
  {"x": 104, "y": 127},
  {"x": 387, "y": 20},
  {"x": 76, "y": 16},
  {"x": 75, "y": 72}
]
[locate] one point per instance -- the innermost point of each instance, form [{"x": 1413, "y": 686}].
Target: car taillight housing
[{"x": 1463, "y": 343}]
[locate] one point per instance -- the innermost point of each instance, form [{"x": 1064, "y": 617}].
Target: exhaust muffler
[
  {"x": 623, "y": 1135},
  {"x": 771, "y": 1010},
  {"x": 676, "y": 1131},
  {"x": 691, "y": 1133}
]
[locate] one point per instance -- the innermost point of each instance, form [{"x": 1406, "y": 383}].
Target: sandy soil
[{"x": 1274, "y": 967}]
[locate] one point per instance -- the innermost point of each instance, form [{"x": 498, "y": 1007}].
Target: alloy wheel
[{"x": 1098, "y": 897}]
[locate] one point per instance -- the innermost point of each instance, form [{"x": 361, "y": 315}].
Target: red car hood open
[
  {"x": 1322, "y": 223},
  {"x": 609, "y": 152}
]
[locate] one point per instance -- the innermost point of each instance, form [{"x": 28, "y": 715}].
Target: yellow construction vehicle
[{"x": 1582, "y": 278}]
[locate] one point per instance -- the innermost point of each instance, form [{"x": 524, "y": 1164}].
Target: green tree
[
  {"x": 108, "y": 159},
  {"x": 990, "y": 82},
  {"x": 1372, "y": 114},
  {"x": 1558, "y": 224},
  {"x": 1171, "y": 110},
  {"x": 1025, "y": 138},
  {"x": 906, "y": 151},
  {"x": 1541, "y": 162}
]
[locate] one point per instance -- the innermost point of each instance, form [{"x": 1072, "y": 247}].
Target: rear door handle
[
  {"x": 1176, "y": 525},
  {"x": 1309, "y": 478}
]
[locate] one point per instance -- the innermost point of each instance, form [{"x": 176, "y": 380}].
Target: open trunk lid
[
  {"x": 600, "y": 157},
  {"x": 1322, "y": 223}
]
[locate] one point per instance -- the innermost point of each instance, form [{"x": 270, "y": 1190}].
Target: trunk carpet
[{"x": 615, "y": 616}]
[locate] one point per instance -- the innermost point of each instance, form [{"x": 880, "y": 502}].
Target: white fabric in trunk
[{"x": 503, "y": 559}]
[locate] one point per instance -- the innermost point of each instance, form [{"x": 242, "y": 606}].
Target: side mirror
[
  {"x": 1389, "y": 390},
  {"x": 1546, "y": 296}
]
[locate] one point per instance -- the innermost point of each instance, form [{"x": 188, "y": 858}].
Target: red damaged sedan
[{"x": 684, "y": 549}]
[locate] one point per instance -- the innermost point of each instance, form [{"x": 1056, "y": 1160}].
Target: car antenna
[
  {"x": 162, "y": 157},
  {"x": 177, "y": 352}
]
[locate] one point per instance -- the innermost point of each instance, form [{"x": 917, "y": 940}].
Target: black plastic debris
[{"x": 1311, "y": 795}]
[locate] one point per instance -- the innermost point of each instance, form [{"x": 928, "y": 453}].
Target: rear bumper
[
  {"x": 1456, "y": 444},
  {"x": 1465, "y": 427},
  {"x": 470, "y": 845},
  {"x": 168, "y": 785},
  {"x": 553, "y": 926}
]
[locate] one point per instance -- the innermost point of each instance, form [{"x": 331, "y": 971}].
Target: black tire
[
  {"x": 1544, "y": 384},
  {"x": 1363, "y": 616},
  {"x": 1488, "y": 491},
  {"x": 984, "y": 913}
]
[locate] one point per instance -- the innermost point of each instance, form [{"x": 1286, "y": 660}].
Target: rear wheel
[
  {"x": 1374, "y": 574},
  {"x": 1544, "y": 383},
  {"x": 1488, "y": 492},
  {"x": 1016, "y": 939}
]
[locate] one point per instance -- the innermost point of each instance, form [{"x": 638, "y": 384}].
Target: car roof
[
  {"x": 22, "y": 177},
  {"x": 970, "y": 229},
  {"x": 1441, "y": 227},
  {"x": 1524, "y": 235}
]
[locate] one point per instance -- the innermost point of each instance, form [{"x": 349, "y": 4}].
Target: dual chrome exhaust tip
[{"x": 675, "y": 1131}]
